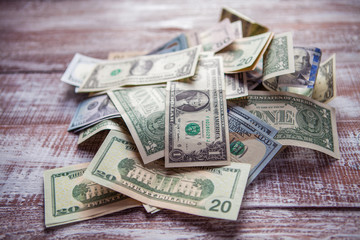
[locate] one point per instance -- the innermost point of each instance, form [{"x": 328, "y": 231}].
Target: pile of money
[{"x": 189, "y": 131}]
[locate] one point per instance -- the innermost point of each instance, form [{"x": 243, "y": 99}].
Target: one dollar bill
[
  {"x": 142, "y": 70},
  {"x": 91, "y": 111},
  {"x": 108, "y": 124},
  {"x": 143, "y": 110},
  {"x": 301, "y": 121},
  {"x": 325, "y": 84},
  {"x": 279, "y": 57},
  {"x": 209, "y": 192},
  {"x": 69, "y": 197},
  {"x": 196, "y": 123}
]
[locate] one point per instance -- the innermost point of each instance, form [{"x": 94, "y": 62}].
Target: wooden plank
[
  {"x": 63, "y": 28},
  {"x": 166, "y": 224},
  {"x": 37, "y": 99},
  {"x": 297, "y": 177},
  {"x": 300, "y": 194}
]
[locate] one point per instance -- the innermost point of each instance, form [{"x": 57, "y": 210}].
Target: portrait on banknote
[
  {"x": 104, "y": 108},
  {"x": 141, "y": 67},
  {"x": 300, "y": 77},
  {"x": 191, "y": 100}
]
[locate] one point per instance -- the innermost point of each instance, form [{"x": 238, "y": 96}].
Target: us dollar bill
[
  {"x": 142, "y": 70},
  {"x": 118, "y": 56},
  {"x": 236, "y": 85},
  {"x": 93, "y": 110},
  {"x": 206, "y": 55},
  {"x": 196, "y": 124},
  {"x": 249, "y": 142},
  {"x": 244, "y": 54},
  {"x": 108, "y": 124},
  {"x": 143, "y": 110},
  {"x": 69, "y": 197},
  {"x": 251, "y": 120},
  {"x": 254, "y": 77},
  {"x": 177, "y": 44},
  {"x": 122, "y": 55},
  {"x": 252, "y": 80},
  {"x": 210, "y": 192},
  {"x": 279, "y": 57},
  {"x": 151, "y": 209},
  {"x": 215, "y": 38},
  {"x": 302, "y": 80},
  {"x": 325, "y": 84},
  {"x": 237, "y": 26},
  {"x": 79, "y": 69},
  {"x": 249, "y": 26},
  {"x": 301, "y": 121}
]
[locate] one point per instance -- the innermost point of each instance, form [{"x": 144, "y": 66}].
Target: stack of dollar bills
[{"x": 189, "y": 129}]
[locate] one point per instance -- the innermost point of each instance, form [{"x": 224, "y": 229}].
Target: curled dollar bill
[
  {"x": 325, "y": 84},
  {"x": 69, "y": 197},
  {"x": 249, "y": 26},
  {"x": 143, "y": 70},
  {"x": 302, "y": 80}
]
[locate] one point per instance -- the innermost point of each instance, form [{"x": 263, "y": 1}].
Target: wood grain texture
[
  {"x": 46, "y": 35},
  {"x": 300, "y": 194},
  {"x": 136, "y": 224},
  {"x": 37, "y": 99}
]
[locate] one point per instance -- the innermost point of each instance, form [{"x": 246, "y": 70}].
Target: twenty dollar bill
[
  {"x": 215, "y": 38},
  {"x": 244, "y": 54},
  {"x": 210, "y": 192},
  {"x": 69, "y": 197}
]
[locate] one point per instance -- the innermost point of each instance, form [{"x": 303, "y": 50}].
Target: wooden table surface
[{"x": 300, "y": 194}]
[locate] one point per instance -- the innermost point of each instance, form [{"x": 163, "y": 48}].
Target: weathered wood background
[{"x": 300, "y": 194}]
